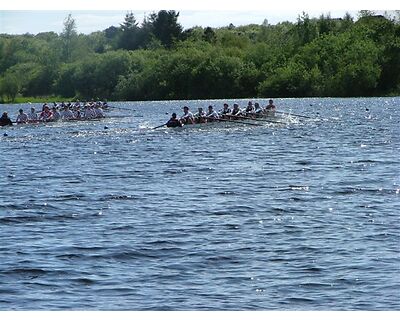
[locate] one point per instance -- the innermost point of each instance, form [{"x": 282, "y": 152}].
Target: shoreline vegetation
[
  {"x": 159, "y": 60},
  {"x": 39, "y": 99}
]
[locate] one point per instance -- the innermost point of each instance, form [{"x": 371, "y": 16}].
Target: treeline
[{"x": 159, "y": 60}]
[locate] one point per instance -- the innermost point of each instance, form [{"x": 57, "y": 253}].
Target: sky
[{"x": 24, "y": 16}]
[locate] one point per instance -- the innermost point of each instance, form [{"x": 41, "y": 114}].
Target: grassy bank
[{"x": 43, "y": 99}]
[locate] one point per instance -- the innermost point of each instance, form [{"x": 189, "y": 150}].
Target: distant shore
[{"x": 43, "y": 99}]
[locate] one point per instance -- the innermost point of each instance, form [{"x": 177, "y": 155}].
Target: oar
[
  {"x": 121, "y": 108},
  {"x": 159, "y": 126},
  {"x": 293, "y": 114},
  {"x": 255, "y": 119},
  {"x": 235, "y": 121}
]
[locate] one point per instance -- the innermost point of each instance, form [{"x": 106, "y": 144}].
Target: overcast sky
[{"x": 22, "y": 16}]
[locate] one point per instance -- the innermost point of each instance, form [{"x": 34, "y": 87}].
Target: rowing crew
[
  {"x": 211, "y": 115},
  {"x": 53, "y": 114}
]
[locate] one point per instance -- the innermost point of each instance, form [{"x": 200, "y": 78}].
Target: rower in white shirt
[
  {"x": 200, "y": 116},
  {"x": 98, "y": 112},
  {"x": 22, "y": 117},
  {"x": 212, "y": 114},
  {"x": 67, "y": 114},
  {"x": 33, "y": 115},
  {"x": 187, "y": 117},
  {"x": 236, "y": 111},
  {"x": 89, "y": 113},
  {"x": 56, "y": 114}
]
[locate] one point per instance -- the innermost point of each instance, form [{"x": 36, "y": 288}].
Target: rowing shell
[
  {"x": 37, "y": 123},
  {"x": 261, "y": 120}
]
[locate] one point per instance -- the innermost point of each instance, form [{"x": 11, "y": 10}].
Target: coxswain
[
  {"x": 46, "y": 114},
  {"x": 212, "y": 115},
  {"x": 33, "y": 117},
  {"x": 22, "y": 117},
  {"x": 200, "y": 116},
  {"x": 173, "y": 122},
  {"x": 5, "y": 120},
  {"x": 187, "y": 117}
]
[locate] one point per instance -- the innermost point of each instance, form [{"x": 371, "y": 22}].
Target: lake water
[{"x": 111, "y": 215}]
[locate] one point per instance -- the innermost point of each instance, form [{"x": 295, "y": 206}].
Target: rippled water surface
[{"x": 112, "y": 215}]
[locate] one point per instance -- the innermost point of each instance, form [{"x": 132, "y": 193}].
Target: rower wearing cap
[{"x": 187, "y": 117}]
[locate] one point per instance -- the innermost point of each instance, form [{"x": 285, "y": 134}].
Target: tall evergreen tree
[
  {"x": 129, "y": 38},
  {"x": 165, "y": 26},
  {"x": 68, "y": 37}
]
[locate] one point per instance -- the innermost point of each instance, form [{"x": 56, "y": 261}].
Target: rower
[
  {"x": 212, "y": 115},
  {"x": 56, "y": 115},
  {"x": 33, "y": 117},
  {"x": 173, "y": 122},
  {"x": 225, "y": 110},
  {"x": 98, "y": 111},
  {"x": 250, "y": 108},
  {"x": 46, "y": 114},
  {"x": 88, "y": 113},
  {"x": 187, "y": 117},
  {"x": 77, "y": 112},
  {"x": 270, "y": 108},
  {"x": 22, "y": 117},
  {"x": 257, "y": 108},
  {"x": 236, "y": 110},
  {"x": 200, "y": 116},
  {"x": 105, "y": 105},
  {"x": 5, "y": 120},
  {"x": 67, "y": 114}
]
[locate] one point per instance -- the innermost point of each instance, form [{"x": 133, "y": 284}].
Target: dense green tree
[
  {"x": 9, "y": 87},
  {"x": 158, "y": 60}
]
